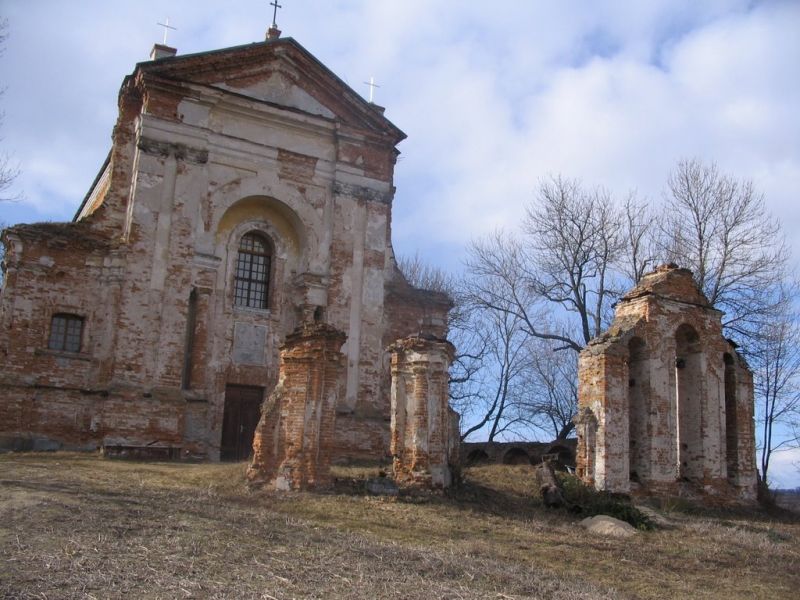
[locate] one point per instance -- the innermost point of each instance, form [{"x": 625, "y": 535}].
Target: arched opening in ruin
[
  {"x": 477, "y": 457},
  {"x": 731, "y": 424},
  {"x": 638, "y": 407},
  {"x": 564, "y": 454},
  {"x": 516, "y": 456},
  {"x": 587, "y": 440},
  {"x": 689, "y": 400}
]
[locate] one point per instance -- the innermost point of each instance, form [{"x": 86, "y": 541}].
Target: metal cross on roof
[
  {"x": 166, "y": 27},
  {"x": 372, "y": 85},
  {"x": 275, "y": 11}
]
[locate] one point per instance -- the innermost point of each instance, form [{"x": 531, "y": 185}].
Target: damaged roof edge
[{"x": 92, "y": 187}]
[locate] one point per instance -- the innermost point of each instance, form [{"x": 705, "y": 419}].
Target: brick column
[
  {"x": 603, "y": 392},
  {"x": 422, "y": 433},
  {"x": 294, "y": 438}
]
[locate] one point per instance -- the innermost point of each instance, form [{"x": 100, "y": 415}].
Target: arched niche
[
  {"x": 283, "y": 232},
  {"x": 689, "y": 394},
  {"x": 288, "y": 228},
  {"x": 477, "y": 457},
  {"x": 587, "y": 444},
  {"x": 731, "y": 416},
  {"x": 638, "y": 408},
  {"x": 566, "y": 457},
  {"x": 516, "y": 456}
]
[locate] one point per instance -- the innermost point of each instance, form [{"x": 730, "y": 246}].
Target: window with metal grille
[
  {"x": 65, "y": 333},
  {"x": 252, "y": 272}
]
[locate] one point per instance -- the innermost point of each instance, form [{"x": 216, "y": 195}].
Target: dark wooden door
[{"x": 242, "y": 411}]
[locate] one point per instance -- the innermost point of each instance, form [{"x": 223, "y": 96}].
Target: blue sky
[{"x": 493, "y": 97}]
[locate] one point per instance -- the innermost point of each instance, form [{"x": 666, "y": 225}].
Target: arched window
[
  {"x": 252, "y": 271},
  {"x": 65, "y": 333}
]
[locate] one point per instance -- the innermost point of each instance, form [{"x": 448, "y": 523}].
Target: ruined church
[
  {"x": 228, "y": 290},
  {"x": 240, "y": 225}
]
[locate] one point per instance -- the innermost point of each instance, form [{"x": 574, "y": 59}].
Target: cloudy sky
[{"x": 493, "y": 96}]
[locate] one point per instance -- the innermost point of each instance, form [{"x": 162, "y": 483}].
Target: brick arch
[
  {"x": 477, "y": 457},
  {"x": 516, "y": 456},
  {"x": 565, "y": 455}
]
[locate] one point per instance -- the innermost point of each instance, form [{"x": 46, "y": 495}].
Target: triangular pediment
[
  {"x": 281, "y": 73},
  {"x": 279, "y": 89}
]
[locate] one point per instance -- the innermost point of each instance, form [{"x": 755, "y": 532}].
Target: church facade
[{"x": 248, "y": 191}]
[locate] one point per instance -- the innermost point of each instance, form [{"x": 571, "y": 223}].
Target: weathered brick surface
[
  {"x": 293, "y": 445},
  {"x": 207, "y": 148},
  {"x": 424, "y": 440},
  {"x": 665, "y": 401}
]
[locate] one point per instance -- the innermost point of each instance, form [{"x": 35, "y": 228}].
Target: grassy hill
[{"x": 78, "y": 526}]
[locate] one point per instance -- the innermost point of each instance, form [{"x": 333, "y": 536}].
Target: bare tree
[
  {"x": 486, "y": 373},
  {"x": 776, "y": 366},
  {"x": 720, "y": 229},
  {"x": 421, "y": 274},
  {"x": 551, "y": 384},
  {"x": 8, "y": 174},
  {"x": 640, "y": 238},
  {"x": 574, "y": 237},
  {"x": 578, "y": 250},
  {"x": 558, "y": 279},
  {"x": 564, "y": 261},
  {"x": 494, "y": 406}
]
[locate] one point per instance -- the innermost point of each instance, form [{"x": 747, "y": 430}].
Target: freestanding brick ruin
[
  {"x": 425, "y": 432},
  {"x": 247, "y": 195},
  {"x": 294, "y": 440},
  {"x": 665, "y": 401}
]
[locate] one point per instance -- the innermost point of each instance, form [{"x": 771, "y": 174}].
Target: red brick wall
[{"x": 293, "y": 445}]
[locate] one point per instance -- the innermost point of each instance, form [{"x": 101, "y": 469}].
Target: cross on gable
[
  {"x": 276, "y": 6},
  {"x": 372, "y": 85},
  {"x": 166, "y": 27}
]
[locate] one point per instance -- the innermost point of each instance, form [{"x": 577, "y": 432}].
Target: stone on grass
[
  {"x": 655, "y": 517},
  {"x": 608, "y": 526}
]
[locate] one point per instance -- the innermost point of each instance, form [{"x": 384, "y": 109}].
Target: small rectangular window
[{"x": 65, "y": 333}]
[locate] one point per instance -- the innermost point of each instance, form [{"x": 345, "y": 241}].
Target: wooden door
[{"x": 242, "y": 411}]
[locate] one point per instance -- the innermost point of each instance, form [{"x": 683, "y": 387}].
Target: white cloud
[
  {"x": 784, "y": 469},
  {"x": 612, "y": 92}
]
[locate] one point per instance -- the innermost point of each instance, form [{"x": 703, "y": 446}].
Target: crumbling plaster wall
[{"x": 331, "y": 239}]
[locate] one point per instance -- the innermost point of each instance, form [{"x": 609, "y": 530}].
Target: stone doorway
[{"x": 242, "y": 411}]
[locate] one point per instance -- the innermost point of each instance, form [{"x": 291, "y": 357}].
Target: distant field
[{"x": 77, "y": 526}]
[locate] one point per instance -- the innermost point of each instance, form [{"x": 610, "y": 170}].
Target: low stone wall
[{"x": 516, "y": 453}]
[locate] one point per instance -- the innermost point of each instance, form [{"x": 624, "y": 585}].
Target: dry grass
[{"x": 76, "y": 526}]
